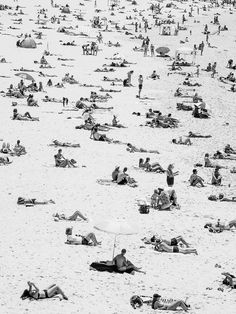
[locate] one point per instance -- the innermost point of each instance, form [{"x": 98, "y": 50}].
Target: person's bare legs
[
  {"x": 54, "y": 290},
  {"x": 187, "y": 251},
  {"x": 181, "y": 239},
  {"x": 76, "y": 214},
  {"x": 177, "y": 304},
  {"x": 91, "y": 236}
]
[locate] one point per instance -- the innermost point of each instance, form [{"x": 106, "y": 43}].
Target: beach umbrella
[
  {"x": 28, "y": 43},
  {"x": 25, "y": 76},
  {"x": 117, "y": 228},
  {"x": 162, "y": 50}
]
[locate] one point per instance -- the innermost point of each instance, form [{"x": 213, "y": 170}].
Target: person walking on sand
[
  {"x": 202, "y": 47},
  {"x": 140, "y": 85}
]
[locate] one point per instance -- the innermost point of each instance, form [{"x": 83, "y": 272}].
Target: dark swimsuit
[
  {"x": 173, "y": 242},
  {"x": 175, "y": 249}
]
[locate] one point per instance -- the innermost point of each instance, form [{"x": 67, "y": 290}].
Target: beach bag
[
  {"x": 136, "y": 301},
  {"x": 144, "y": 209}
]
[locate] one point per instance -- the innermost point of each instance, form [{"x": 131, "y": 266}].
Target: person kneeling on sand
[
  {"x": 161, "y": 246},
  {"x": 61, "y": 162},
  {"x": 89, "y": 239},
  {"x": 159, "y": 304},
  {"x": 73, "y": 217},
  {"x": 123, "y": 265},
  {"x": 34, "y": 293},
  {"x": 195, "y": 179}
]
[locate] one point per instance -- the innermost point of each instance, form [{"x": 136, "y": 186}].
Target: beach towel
[{"x": 104, "y": 266}]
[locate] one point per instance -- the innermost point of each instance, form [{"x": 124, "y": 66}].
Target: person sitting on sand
[
  {"x": 216, "y": 177},
  {"x": 220, "y": 227},
  {"x": 97, "y": 136},
  {"x": 89, "y": 239},
  {"x": 32, "y": 201},
  {"x": 154, "y": 167},
  {"x": 64, "y": 144},
  {"x": 154, "y": 75},
  {"x": 123, "y": 265},
  {"x": 163, "y": 200},
  {"x": 62, "y": 162},
  {"x": 158, "y": 304},
  {"x": 4, "y": 161},
  {"x": 195, "y": 180},
  {"x": 181, "y": 142},
  {"x": 115, "y": 173},
  {"x": 123, "y": 178},
  {"x": 132, "y": 149},
  {"x": 77, "y": 214},
  {"x": 34, "y": 293},
  {"x": 19, "y": 149},
  {"x": 161, "y": 246},
  {"x": 229, "y": 150},
  {"x": 222, "y": 198},
  {"x": 197, "y": 135},
  {"x": 6, "y": 148}
]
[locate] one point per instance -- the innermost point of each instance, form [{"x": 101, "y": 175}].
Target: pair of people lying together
[
  {"x": 220, "y": 227},
  {"x": 175, "y": 245}
]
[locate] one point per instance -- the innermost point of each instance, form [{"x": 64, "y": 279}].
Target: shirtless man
[
  {"x": 123, "y": 265},
  {"x": 161, "y": 246}
]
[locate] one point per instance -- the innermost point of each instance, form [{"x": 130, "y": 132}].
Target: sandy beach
[{"x": 33, "y": 244}]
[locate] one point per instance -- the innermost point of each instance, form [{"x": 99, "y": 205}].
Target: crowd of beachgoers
[{"x": 118, "y": 120}]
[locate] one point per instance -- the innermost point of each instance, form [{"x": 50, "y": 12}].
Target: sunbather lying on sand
[
  {"x": 132, "y": 149},
  {"x": 197, "y": 135},
  {"x": 161, "y": 246},
  {"x": 77, "y": 214},
  {"x": 32, "y": 201},
  {"x": 34, "y": 293},
  {"x": 64, "y": 144},
  {"x": 219, "y": 155},
  {"x": 196, "y": 180},
  {"x": 222, "y": 198},
  {"x": 158, "y": 304},
  {"x": 123, "y": 265},
  {"x": 25, "y": 117},
  {"x": 62, "y": 162},
  {"x": 220, "y": 227},
  {"x": 89, "y": 239},
  {"x": 174, "y": 241},
  {"x": 209, "y": 164},
  {"x": 180, "y": 141}
]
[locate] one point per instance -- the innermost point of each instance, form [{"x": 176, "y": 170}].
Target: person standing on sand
[
  {"x": 170, "y": 175},
  {"x": 202, "y": 47},
  {"x": 140, "y": 85},
  {"x": 152, "y": 48}
]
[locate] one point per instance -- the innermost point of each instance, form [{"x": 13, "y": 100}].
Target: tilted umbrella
[
  {"x": 25, "y": 76},
  {"x": 117, "y": 228},
  {"x": 162, "y": 50}
]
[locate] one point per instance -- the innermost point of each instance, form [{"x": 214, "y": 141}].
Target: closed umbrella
[
  {"x": 117, "y": 228},
  {"x": 162, "y": 50},
  {"x": 25, "y": 76}
]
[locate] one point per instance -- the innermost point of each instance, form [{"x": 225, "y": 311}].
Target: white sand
[{"x": 32, "y": 244}]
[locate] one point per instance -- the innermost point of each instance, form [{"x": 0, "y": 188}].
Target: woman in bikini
[
  {"x": 161, "y": 246},
  {"x": 34, "y": 293}
]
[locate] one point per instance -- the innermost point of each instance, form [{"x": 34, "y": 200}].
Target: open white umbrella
[{"x": 117, "y": 228}]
